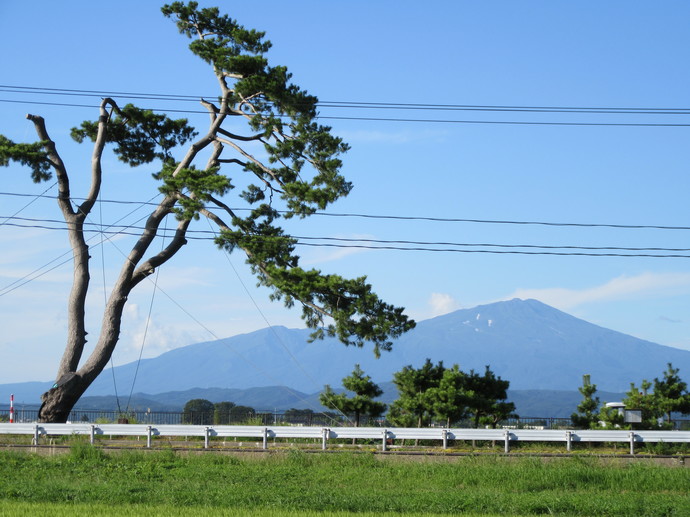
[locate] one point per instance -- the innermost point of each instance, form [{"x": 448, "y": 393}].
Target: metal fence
[
  {"x": 29, "y": 414},
  {"x": 262, "y": 417},
  {"x": 384, "y": 436},
  {"x": 265, "y": 417}
]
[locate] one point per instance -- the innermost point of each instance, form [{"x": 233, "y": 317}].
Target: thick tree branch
[
  {"x": 232, "y": 160},
  {"x": 239, "y": 137},
  {"x": 148, "y": 267},
  {"x": 76, "y": 327},
  {"x": 214, "y": 217},
  {"x": 131, "y": 273},
  {"x": 57, "y": 163},
  {"x": 96, "y": 167}
]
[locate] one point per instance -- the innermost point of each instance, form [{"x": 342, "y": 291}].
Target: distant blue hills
[{"x": 533, "y": 345}]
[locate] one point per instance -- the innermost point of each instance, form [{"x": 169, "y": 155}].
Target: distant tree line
[
  {"x": 656, "y": 401},
  {"x": 205, "y": 412},
  {"x": 431, "y": 394}
]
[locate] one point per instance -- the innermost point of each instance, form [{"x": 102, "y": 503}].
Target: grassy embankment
[{"x": 297, "y": 483}]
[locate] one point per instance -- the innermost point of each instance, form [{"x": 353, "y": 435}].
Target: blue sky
[{"x": 584, "y": 54}]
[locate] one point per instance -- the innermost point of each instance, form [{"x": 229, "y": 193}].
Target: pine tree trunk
[
  {"x": 59, "y": 400},
  {"x": 70, "y": 386}
]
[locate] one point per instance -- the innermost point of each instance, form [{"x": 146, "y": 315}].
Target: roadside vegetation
[
  {"x": 294, "y": 482},
  {"x": 653, "y": 409}
]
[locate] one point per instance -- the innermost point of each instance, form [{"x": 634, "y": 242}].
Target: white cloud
[
  {"x": 132, "y": 311},
  {"x": 332, "y": 254},
  {"x": 442, "y": 303},
  {"x": 339, "y": 253},
  {"x": 620, "y": 288},
  {"x": 152, "y": 337}
]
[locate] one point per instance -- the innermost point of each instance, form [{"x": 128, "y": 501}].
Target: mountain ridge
[{"x": 533, "y": 345}]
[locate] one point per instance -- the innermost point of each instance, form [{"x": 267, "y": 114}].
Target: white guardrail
[{"x": 264, "y": 433}]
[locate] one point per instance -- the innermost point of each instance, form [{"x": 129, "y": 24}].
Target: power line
[
  {"x": 406, "y": 245},
  {"x": 429, "y": 120},
  {"x": 407, "y": 120},
  {"x": 504, "y": 122},
  {"x": 419, "y": 218},
  {"x": 114, "y": 229},
  {"x": 39, "y": 272},
  {"x": 502, "y": 252},
  {"x": 95, "y": 93},
  {"x": 359, "y": 104},
  {"x": 507, "y": 221}
]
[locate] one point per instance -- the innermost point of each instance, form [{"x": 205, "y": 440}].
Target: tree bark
[{"x": 61, "y": 398}]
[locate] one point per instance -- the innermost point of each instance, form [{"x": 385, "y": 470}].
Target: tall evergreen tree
[
  {"x": 487, "y": 397},
  {"x": 361, "y": 403},
  {"x": 449, "y": 400},
  {"x": 671, "y": 393},
  {"x": 587, "y": 414},
  {"x": 414, "y": 397},
  {"x": 299, "y": 175}
]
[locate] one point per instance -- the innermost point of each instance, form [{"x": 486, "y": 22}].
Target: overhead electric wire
[
  {"x": 421, "y": 218},
  {"x": 35, "y": 197},
  {"x": 358, "y": 104},
  {"x": 509, "y": 221},
  {"x": 383, "y": 106},
  {"x": 499, "y": 252},
  {"x": 408, "y": 245},
  {"x": 37, "y": 273},
  {"x": 410, "y": 120}
]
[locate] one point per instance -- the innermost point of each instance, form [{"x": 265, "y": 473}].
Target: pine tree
[
  {"x": 414, "y": 402},
  {"x": 449, "y": 400},
  {"x": 296, "y": 173},
  {"x": 487, "y": 397},
  {"x": 587, "y": 411},
  {"x": 641, "y": 399},
  {"x": 361, "y": 403},
  {"x": 671, "y": 393}
]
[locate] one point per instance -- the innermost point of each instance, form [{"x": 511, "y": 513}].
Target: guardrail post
[
  {"x": 632, "y": 443},
  {"x": 206, "y": 433},
  {"x": 324, "y": 438},
  {"x": 149, "y": 431},
  {"x": 384, "y": 443},
  {"x": 445, "y": 438},
  {"x": 568, "y": 440},
  {"x": 265, "y": 437},
  {"x": 36, "y": 433},
  {"x": 93, "y": 434},
  {"x": 507, "y": 441}
]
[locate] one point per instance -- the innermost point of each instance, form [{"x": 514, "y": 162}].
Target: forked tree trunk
[
  {"x": 70, "y": 386},
  {"x": 61, "y": 398}
]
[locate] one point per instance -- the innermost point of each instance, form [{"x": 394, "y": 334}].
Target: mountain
[{"x": 534, "y": 346}]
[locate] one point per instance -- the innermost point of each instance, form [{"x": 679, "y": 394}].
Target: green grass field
[{"x": 291, "y": 483}]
